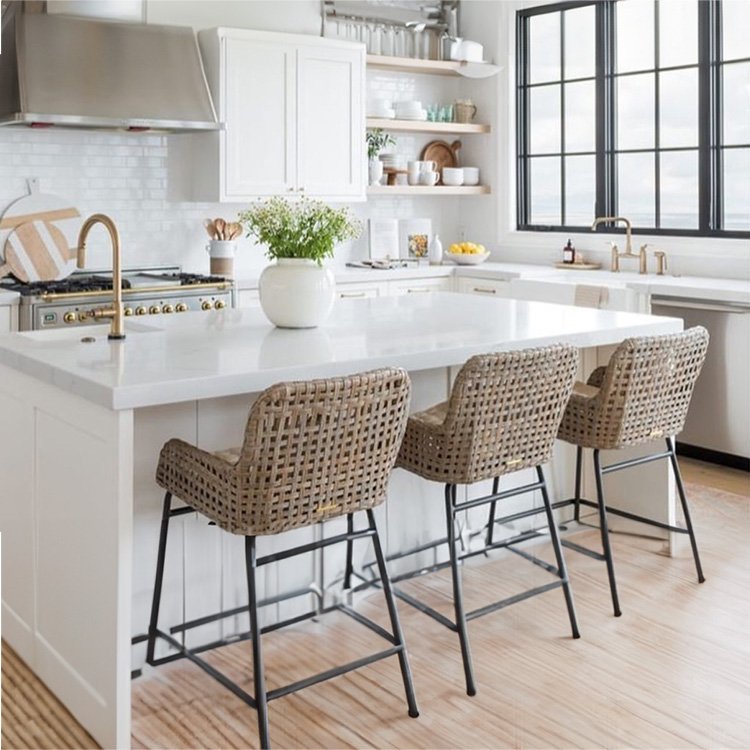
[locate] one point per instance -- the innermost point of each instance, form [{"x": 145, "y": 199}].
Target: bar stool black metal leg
[
  {"x": 579, "y": 469},
  {"x": 605, "y": 534},
  {"x": 458, "y": 602},
  {"x": 493, "y": 505},
  {"x": 685, "y": 510},
  {"x": 349, "y": 552},
  {"x": 398, "y": 635},
  {"x": 160, "y": 557},
  {"x": 259, "y": 680},
  {"x": 555, "y": 537}
]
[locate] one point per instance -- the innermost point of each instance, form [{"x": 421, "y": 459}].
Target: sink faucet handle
[
  {"x": 661, "y": 262},
  {"x": 643, "y": 259}
]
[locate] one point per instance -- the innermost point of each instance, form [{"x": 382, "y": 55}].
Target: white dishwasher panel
[{"x": 719, "y": 415}]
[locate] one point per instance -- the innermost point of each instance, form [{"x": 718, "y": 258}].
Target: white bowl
[
  {"x": 471, "y": 175},
  {"x": 453, "y": 176},
  {"x": 462, "y": 259}
]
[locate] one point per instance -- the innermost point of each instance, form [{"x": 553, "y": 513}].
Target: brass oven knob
[
  {"x": 140, "y": 310},
  {"x": 181, "y": 307},
  {"x": 128, "y": 311},
  {"x": 205, "y": 305},
  {"x": 220, "y": 304},
  {"x": 154, "y": 309},
  {"x": 168, "y": 309},
  {"x": 69, "y": 317},
  {"x": 83, "y": 316}
]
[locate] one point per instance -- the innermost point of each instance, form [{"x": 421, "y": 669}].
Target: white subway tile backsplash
[{"x": 126, "y": 176}]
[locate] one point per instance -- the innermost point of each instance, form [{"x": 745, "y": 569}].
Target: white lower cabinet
[
  {"x": 8, "y": 318},
  {"x": 486, "y": 287}
]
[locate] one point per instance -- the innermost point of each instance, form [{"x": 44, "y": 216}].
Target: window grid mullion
[
  {"x": 563, "y": 211},
  {"x": 657, "y": 121}
]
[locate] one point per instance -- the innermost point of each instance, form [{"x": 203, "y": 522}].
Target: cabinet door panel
[
  {"x": 5, "y": 319},
  {"x": 259, "y": 112},
  {"x": 331, "y": 132}
]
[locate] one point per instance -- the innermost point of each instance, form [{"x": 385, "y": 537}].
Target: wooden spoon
[
  {"x": 210, "y": 228},
  {"x": 220, "y": 225},
  {"x": 233, "y": 230}
]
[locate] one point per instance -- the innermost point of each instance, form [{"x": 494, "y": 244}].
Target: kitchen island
[{"x": 83, "y": 423}]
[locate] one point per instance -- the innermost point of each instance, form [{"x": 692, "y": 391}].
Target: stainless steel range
[{"x": 153, "y": 291}]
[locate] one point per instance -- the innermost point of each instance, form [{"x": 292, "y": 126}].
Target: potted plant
[
  {"x": 298, "y": 291},
  {"x": 377, "y": 140}
]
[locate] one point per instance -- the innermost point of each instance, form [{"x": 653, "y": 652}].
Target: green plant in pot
[
  {"x": 377, "y": 140},
  {"x": 298, "y": 291}
]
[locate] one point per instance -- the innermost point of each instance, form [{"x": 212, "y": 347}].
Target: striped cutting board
[
  {"x": 37, "y": 212},
  {"x": 36, "y": 251}
]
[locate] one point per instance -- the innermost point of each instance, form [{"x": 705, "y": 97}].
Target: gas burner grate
[{"x": 65, "y": 286}]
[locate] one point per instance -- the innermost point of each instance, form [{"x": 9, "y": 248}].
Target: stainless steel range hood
[{"x": 75, "y": 72}]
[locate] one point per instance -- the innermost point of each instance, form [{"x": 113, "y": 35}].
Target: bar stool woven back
[
  {"x": 644, "y": 392},
  {"x": 502, "y": 416},
  {"x": 313, "y": 450}
]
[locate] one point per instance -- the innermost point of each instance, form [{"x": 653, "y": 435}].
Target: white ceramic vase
[
  {"x": 376, "y": 171},
  {"x": 296, "y": 293}
]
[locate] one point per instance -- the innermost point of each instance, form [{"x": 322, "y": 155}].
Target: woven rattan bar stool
[
  {"x": 502, "y": 416},
  {"x": 643, "y": 393},
  {"x": 312, "y": 451}
]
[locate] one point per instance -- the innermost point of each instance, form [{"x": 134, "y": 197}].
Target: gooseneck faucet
[
  {"x": 616, "y": 254},
  {"x": 115, "y": 313}
]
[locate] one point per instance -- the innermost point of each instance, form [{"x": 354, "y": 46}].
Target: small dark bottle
[{"x": 569, "y": 253}]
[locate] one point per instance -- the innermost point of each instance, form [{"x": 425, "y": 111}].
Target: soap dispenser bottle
[
  {"x": 569, "y": 253},
  {"x": 435, "y": 251}
]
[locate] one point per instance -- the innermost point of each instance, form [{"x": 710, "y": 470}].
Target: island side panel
[{"x": 78, "y": 458}]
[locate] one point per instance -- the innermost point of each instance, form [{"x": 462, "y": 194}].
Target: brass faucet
[
  {"x": 616, "y": 254},
  {"x": 117, "y": 330},
  {"x": 643, "y": 259}
]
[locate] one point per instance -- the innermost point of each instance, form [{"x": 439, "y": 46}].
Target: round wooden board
[
  {"x": 49, "y": 208},
  {"x": 37, "y": 251},
  {"x": 444, "y": 154}
]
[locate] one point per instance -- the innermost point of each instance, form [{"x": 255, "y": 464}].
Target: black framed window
[{"x": 638, "y": 108}]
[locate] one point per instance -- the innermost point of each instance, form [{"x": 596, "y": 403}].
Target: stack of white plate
[
  {"x": 410, "y": 111},
  {"x": 381, "y": 108},
  {"x": 393, "y": 161}
]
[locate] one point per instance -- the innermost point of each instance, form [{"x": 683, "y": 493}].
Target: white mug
[
  {"x": 427, "y": 166},
  {"x": 428, "y": 178},
  {"x": 471, "y": 175},
  {"x": 413, "y": 177}
]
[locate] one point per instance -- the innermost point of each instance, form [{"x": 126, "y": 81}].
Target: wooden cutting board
[
  {"x": 45, "y": 208},
  {"x": 444, "y": 154},
  {"x": 36, "y": 251}
]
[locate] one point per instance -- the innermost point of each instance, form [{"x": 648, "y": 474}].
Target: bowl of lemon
[{"x": 467, "y": 253}]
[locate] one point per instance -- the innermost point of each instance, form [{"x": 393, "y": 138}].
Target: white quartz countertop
[
  {"x": 689, "y": 287},
  {"x": 204, "y": 355},
  {"x": 9, "y": 298}
]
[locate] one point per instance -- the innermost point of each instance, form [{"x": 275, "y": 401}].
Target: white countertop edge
[{"x": 9, "y": 298}]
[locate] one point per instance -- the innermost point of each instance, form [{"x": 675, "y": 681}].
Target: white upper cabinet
[{"x": 293, "y": 113}]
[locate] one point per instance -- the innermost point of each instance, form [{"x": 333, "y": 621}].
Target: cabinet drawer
[
  {"x": 485, "y": 287},
  {"x": 358, "y": 291},
  {"x": 420, "y": 286}
]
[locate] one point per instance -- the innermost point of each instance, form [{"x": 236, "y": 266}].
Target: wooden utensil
[
  {"x": 444, "y": 154},
  {"x": 35, "y": 251},
  {"x": 46, "y": 208},
  {"x": 210, "y": 228},
  {"x": 220, "y": 225},
  {"x": 233, "y": 230}
]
